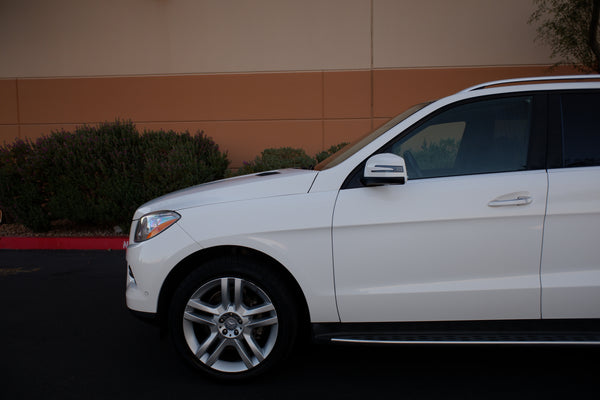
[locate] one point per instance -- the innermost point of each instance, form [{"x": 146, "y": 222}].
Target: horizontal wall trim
[
  {"x": 299, "y": 71},
  {"x": 199, "y": 121}
]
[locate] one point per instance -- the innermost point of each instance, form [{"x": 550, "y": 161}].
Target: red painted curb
[{"x": 64, "y": 243}]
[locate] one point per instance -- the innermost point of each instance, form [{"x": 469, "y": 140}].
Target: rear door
[{"x": 571, "y": 253}]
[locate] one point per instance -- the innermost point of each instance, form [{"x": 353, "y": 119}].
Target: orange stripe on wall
[
  {"x": 8, "y": 133},
  {"x": 398, "y": 89},
  {"x": 171, "y": 98},
  {"x": 347, "y": 94},
  {"x": 243, "y": 113},
  {"x": 8, "y": 102}
]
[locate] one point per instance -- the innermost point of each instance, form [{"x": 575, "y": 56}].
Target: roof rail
[{"x": 532, "y": 79}]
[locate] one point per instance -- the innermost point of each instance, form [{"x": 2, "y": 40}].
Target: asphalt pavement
[{"x": 65, "y": 333}]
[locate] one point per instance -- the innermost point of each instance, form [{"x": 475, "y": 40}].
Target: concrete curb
[{"x": 64, "y": 243}]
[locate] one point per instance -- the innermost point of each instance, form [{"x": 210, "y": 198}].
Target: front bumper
[{"x": 150, "y": 262}]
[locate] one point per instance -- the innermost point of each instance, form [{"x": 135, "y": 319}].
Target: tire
[{"x": 233, "y": 318}]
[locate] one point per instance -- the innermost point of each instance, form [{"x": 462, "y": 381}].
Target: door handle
[{"x": 517, "y": 201}]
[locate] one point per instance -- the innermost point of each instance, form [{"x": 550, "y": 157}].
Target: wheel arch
[{"x": 195, "y": 260}]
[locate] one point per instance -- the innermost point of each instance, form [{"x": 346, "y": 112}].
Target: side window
[
  {"x": 581, "y": 129},
  {"x": 473, "y": 138}
]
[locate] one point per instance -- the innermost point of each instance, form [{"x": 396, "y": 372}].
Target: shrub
[
  {"x": 100, "y": 174},
  {"x": 91, "y": 174},
  {"x": 285, "y": 157},
  {"x": 174, "y": 161},
  {"x": 21, "y": 185},
  {"x": 329, "y": 152}
]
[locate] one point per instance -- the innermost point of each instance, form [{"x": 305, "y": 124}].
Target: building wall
[{"x": 251, "y": 73}]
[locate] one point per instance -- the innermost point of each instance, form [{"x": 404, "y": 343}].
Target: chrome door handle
[{"x": 518, "y": 201}]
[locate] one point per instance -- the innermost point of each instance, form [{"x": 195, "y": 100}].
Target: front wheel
[{"x": 232, "y": 319}]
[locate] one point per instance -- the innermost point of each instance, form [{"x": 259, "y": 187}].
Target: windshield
[{"x": 349, "y": 150}]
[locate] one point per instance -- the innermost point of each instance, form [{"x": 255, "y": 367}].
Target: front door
[{"x": 461, "y": 240}]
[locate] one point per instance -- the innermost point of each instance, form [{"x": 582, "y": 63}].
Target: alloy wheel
[{"x": 230, "y": 324}]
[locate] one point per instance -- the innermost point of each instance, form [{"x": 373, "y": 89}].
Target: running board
[
  {"x": 494, "y": 339},
  {"x": 581, "y": 332}
]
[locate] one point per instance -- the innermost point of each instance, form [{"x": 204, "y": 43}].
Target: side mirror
[{"x": 385, "y": 169}]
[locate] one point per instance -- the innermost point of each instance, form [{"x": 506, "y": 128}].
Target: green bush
[
  {"x": 174, "y": 161},
  {"x": 322, "y": 156},
  {"x": 91, "y": 173},
  {"x": 285, "y": 157},
  {"x": 99, "y": 175},
  {"x": 22, "y": 185}
]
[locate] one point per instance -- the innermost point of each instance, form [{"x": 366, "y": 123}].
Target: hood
[{"x": 265, "y": 184}]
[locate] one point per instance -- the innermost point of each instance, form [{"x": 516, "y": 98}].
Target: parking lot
[{"x": 65, "y": 333}]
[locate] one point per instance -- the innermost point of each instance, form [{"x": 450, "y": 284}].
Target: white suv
[{"x": 471, "y": 219}]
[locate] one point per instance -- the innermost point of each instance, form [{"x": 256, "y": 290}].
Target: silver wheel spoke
[
  {"x": 199, "y": 319},
  {"x": 207, "y": 343},
  {"x": 215, "y": 355},
  {"x": 259, "y": 310},
  {"x": 254, "y": 347},
  {"x": 225, "y": 299},
  {"x": 262, "y": 322},
  {"x": 200, "y": 306},
  {"x": 242, "y": 352},
  {"x": 237, "y": 293}
]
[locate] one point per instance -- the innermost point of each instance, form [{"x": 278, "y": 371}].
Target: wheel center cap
[{"x": 230, "y": 325}]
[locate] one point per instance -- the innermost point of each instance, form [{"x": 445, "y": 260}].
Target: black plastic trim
[
  {"x": 555, "y": 129},
  {"x": 150, "y": 318},
  {"x": 536, "y": 156},
  {"x": 555, "y": 156},
  {"x": 268, "y": 173},
  {"x": 382, "y": 181}
]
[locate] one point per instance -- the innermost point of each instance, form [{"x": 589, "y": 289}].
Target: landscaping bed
[{"x": 58, "y": 230}]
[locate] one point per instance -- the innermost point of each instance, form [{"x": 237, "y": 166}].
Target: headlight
[{"x": 152, "y": 224}]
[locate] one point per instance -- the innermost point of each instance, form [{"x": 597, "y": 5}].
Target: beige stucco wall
[
  {"x": 449, "y": 33},
  {"x": 252, "y": 74},
  {"x": 130, "y": 37},
  {"x": 42, "y": 38}
]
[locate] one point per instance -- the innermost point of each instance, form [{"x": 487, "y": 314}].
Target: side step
[
  {"x": 535, "y": 332},
  {"x": 470, "y": 338}
]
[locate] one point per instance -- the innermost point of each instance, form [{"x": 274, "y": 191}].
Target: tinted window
[
  {"x": 581, "y": 129},
  {"x": 479, "y": 137}
]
